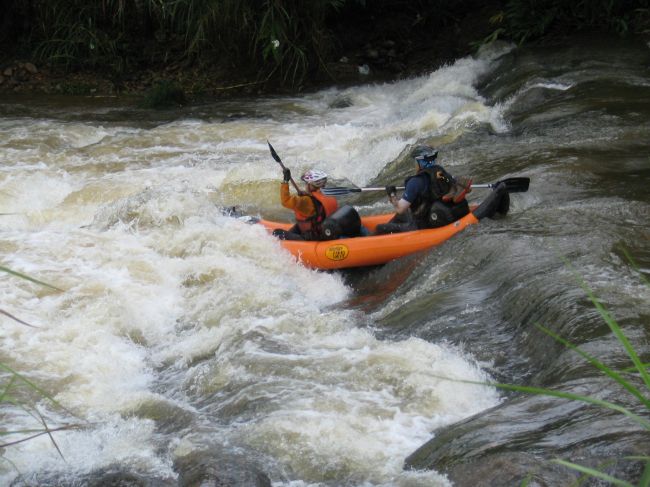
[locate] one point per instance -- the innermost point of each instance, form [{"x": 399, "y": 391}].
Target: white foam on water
[
  {"x": 377, "y": 122},
  {"x": 130, "y": 306},
  {"x": 551, "y": 86},
  {"x": 104, "y": 445},
  {"x": 356, "y": 405},
  {"x": 159, "y": 285}
]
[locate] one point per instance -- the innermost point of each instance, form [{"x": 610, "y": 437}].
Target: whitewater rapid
[{"x": 171, "y": 308}]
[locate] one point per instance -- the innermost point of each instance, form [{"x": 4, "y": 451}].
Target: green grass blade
[
  {"x": 7, "y": 388},
  {"x": 577, "y": 397},
  {"x": 22, "y": 406},
  {"x": 49, "y": 433},
  {"x": 28, "y": 278},
  {"x": 3, "y": 312},
  {"x": 21, "y": 432},
  {"x": 594, "y": 473},
  {"x": 600, "y": 366},
  {"x": 41, "y": 391},
  {"x": 527, "y": 479},
  {"x": 585, "y": 476},
  {"x": 645, "y": 476},
  {"x": 22, "y": 440},
  {"x": 634, "y": 369},
  {"x": 634, "y": 265},
  {"x": 613, "y": 325},
  {"x": 560, "y": 394},
  {"x": 38, "y": 433}
]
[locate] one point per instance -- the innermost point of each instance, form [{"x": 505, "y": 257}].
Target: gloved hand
[
  {"x": 391, "y": 191},
  {"x": 287, "y": 175}
]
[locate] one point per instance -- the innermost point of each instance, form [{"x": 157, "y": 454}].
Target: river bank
[
  {"x": 351, "y": 44},
  {"x": 367, "y": 51}
]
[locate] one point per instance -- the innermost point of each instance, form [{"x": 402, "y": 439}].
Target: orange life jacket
[{"x": 324, "y": 206}]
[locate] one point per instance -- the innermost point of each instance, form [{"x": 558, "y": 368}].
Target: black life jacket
[{"x": 437, "y": 182}]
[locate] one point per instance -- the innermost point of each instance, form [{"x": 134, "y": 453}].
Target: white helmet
[{"x": 315, "y": 178}]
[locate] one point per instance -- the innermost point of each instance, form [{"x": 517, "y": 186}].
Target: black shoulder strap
[
  {"x": 440, "y": 181},
  {"x": 320, "y": 214}
]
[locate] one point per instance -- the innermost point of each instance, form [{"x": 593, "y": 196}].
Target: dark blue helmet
[{"x": 425, "y": 156}]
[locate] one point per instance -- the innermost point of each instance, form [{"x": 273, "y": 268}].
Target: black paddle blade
[
  {"x": 273, "y": 153},
  {"x": 516, "y": 185}
]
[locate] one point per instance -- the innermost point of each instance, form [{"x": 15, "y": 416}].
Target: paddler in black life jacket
[
  {"x": 310, "y": 207},
  {"x": 431, "y": 198}
]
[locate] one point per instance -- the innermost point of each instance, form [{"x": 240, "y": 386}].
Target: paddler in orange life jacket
[
  {"x": 431, "y": 198},
  {"x": 310, "y": 207}
]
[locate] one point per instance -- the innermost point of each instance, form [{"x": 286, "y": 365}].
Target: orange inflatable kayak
[{"x": 378, "y": 249}]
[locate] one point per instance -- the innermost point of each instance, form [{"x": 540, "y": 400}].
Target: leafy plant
[
  {"x": 73, "y": 35},
  {"x": 285, "y": 38},
  {"x": 526, "y": 20}
]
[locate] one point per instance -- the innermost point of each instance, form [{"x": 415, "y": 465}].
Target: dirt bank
[{"x": 367, "y": 50}]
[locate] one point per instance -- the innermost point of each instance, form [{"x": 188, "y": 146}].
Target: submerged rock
[
  {"x": 519, "y": 440},
  {"x": 108, "y": 477},
  {"x": 217, "y": 468}
]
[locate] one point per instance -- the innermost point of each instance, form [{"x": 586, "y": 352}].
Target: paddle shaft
[
  {"x": 487, "y": 185},
  {"x": 513, "y": 185},
  {"x": 279, "y": 161}
]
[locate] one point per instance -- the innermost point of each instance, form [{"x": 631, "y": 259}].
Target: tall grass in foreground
[
  {"x": 18, "y": 391},
  {"x": 642, "y": 394}
]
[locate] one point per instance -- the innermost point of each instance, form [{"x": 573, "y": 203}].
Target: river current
[{"x": 189, "y": 346}]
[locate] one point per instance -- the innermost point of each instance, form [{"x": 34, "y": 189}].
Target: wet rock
[
  {"x": 343, "y": 71},
  {"x": 510, "y": 469},
  {"x": 396, "y": 67},
  {"x": 124, "y": 479},
  {"x": 22, "y": 75},
  {"x": 30, "y": 68},
  {"x": 343, "y": 101},
  {"x": 522, "y": 437},
  {"x": 219, "y": 468},
  {"x": 372, "y": 54},
  {"x": 108, "y": 477},
  {"x": 8, "y": 72}
]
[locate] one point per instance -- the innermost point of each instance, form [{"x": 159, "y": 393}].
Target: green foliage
[
  {"x": 285, "y": 38},
  {"x": 75, "y": 33},
  {"x": 164, "y": 94},
  {"x": 526, "y": 20}
]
